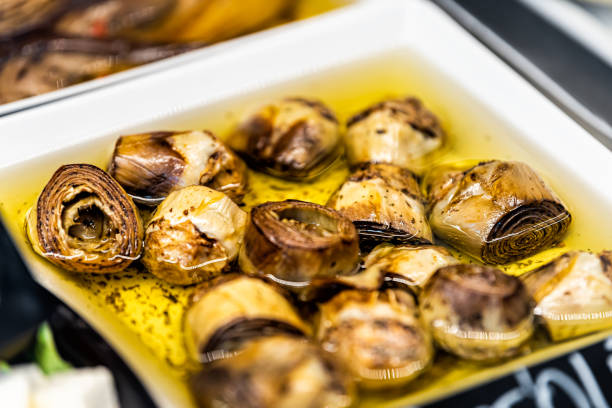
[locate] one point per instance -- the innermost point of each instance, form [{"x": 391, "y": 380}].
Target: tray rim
[{"x": 48, "y": 125}]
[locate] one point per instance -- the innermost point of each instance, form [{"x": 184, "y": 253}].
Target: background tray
[{"x": 303, "y": 9}]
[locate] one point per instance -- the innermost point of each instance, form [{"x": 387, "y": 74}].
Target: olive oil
[{"x": 142, "y": 316}]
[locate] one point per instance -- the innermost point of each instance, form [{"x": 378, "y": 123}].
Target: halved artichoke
[
  {"x": 477, "y": 312},
  {"x": 573, "y": 293},
  {"x": 194, "y": 235},
  {"x": 20, "y": 16},
  {"x": 111, "y": 18},
  {"x": 36, "y": 66},
  {"x": 295, "y": 138},
  {"x": 274, "y": 372},
  {"x": 395, "y": 131},
  {"x": 151, "y": 165},
  {"x": 385, "y": 204},
  {"x": 408, "y": 266},
  {"x": 496, "y": 211},
  {"x": 232, "y": 310},
  {"x": 83, "y": 221},
  {"x": 210, "y": 21},
  {"x": 294, "y": 242},
  {"x": 377, "y": 335}
]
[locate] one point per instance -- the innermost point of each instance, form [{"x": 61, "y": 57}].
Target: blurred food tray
[{"x": 36, "y": 40}]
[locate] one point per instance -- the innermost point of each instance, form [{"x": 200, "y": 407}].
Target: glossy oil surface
[{"x": 144, "y": 315}]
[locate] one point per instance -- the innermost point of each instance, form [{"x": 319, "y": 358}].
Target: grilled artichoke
[
  {"x": 83, "y": 221},
  {"x": 194, "y": 235},
  {"x": 274, "y": 372},
  {"x": 233, "y": 309},
  {"x": 295, "y": 242},
  {"x": 210, "y": 21},
  {"x": 149, "y": 166},
  {"x": 21, "y": 16},
  {"x": 111, "y": 18},
  {"x": 34, "y": 67},
  {"x": 477, "y": 312},
  {"x": 409, "y": 266},
  {"x": 385, "y": 204},
  {"x": 573, "y": 293},
  {"x": 496, "y": 211},
  {"x": 377, "y": 335},
  {"x": 295, "y": 138},
  {"x": 395, "y": 131}
]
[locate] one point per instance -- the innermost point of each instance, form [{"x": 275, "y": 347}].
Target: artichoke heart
[
  {"x": 496, "y": 211},
  {"x": 377, "y": 335},
  {"x": 294, "y": 243},
  {"x": 274, "y": 372},
  {"x": 19, "y": 16},
  {"x": 385, "y": 204},
  {"x": 233, "y": 309},
  {"x": 477, "y": 312},
  {"x": 150, "y": 166},
  {"x": 573, "y": 294},
  {"x": 408, "y": 266},
  {"x": 294, "y": 138},
  {"x": 210, "y": 21},
  {"x": 396, "y": 131},
  {"x": 194, "y": 235},
  {"x": 35, "y": 65},
  {"x": 111, "y": 18},
  {"x": 83, "y": 221}
]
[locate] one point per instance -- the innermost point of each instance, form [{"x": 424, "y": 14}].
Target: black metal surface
[
  {"x": 23, "y": 303},
  {"x": 559, "y": 66},
  {"x": 578, "y": 379},
  {"x": 80, "y": 345}
]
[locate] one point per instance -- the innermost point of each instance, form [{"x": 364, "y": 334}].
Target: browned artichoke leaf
[
  {"x": 477, "y": 312},
  {"x": 83, "y": 221},
  {"x": 573, "y": 293},
  {"x": 233, "y": 309},
  {"x": 408, "y": 266},
  {"x": 385, "y": 204},
  {"x": 151, "y": 165},
  {"x": 378, "y": 336},
  {"x": 396, "y": 131},
  {"x": 496, "y": 211},
  {"x": 194, "y": 235},
  {"x": 295, "y": 243},
  {"x": 294, "y": 138},
  {"x": 274, "y": 372}
]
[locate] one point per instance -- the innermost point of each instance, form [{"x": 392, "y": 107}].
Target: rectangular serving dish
[{"x": 363, "y": 52}]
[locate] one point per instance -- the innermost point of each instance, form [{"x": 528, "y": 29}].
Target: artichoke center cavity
[
  {"x": 85, "y": 221},
  {"x": 308, "y": 222}
]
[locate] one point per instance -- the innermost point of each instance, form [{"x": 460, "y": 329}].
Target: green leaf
[
  {"x": 4, "y": 367},
  {"x": 45, "y": 352}
]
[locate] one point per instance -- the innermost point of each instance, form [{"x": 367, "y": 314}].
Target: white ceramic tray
[{"x": 460, "y": 74}]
